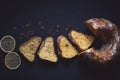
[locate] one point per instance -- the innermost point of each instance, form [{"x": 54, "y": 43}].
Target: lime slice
[
  {"x": 12, "y": 60},
  {"x": 7, "y": 44}
]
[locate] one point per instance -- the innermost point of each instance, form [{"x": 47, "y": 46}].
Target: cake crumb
[
  {"x": 20, "y": 37},
  {"x": 69, "y": 25},
  {"x": 22, "y": 34},
  {"x": 57, "y": 30},
  {"x": 32, "y": 32},
  {"x": 42, "y": 27},
  {"x": 50, "y": 31},
  {"x": 29, "y": 24},
  {"x": 14, "y": 27},
  {"x": 39, "y": 22},
  {"x": 66, "y": 28},
  {"x": 58, "y": 26}
]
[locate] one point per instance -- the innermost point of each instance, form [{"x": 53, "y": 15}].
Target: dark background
[{"x": 16, "y": 14}]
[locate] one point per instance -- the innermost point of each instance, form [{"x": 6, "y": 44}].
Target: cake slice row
[
  {"x": 81, "y": 40},
  {"x": 46, "y": 51}
]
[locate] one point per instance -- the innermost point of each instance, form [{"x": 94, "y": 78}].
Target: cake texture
[
  {"x": 67, "y": 50},
  {"x": 29, "y": 48},
  {"x": 83, "y": 41},
  {"x": 47, "y": 50}
]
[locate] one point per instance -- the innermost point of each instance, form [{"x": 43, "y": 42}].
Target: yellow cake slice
[
  {"x": 67, "y": 50},
  {"x": 47, "y": 50},
  {"x": 29, "y": 48},
  {"x": 83, "y": 41}
]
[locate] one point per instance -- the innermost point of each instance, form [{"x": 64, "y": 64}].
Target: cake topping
[{"x": 107, "y": 32}]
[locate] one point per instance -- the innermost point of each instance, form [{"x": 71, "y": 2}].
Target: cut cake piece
[
  {"x": 83, "y": 41},
  {"x": 29, "y": 48},
  {"x": 67, "y": 50},
  {"x": 47, "y": 50}
]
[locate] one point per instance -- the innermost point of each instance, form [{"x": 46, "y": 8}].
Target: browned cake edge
[{"x": 59, "y": 50}]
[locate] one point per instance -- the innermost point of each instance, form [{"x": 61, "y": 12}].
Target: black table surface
[{"x": 43, "y": 17}]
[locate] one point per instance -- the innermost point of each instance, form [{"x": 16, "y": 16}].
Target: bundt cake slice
[
  {"x": 83, "y": 41},
  {"x": 29, "y": 48},
  {"x": 67, "y": 50},
  {"x": 47, "y": 50}
]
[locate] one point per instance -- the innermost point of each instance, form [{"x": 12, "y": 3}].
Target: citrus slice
[
  {"x": 12, "y": 60},
  {"x": 7, "y": 44}
]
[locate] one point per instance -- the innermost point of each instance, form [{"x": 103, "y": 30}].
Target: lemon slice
[
  {"x": 12, "y": 60},
  {"x": 7, "y": 44}
]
